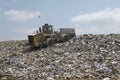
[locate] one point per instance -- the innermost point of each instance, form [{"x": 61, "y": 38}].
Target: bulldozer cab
[{"x": 47, "y": 29}]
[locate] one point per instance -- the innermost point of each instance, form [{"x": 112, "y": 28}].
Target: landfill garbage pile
[{"x": 85, "y": 57}]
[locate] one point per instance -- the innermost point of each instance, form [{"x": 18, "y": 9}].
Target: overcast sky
[{"x": 18, "y": 18}]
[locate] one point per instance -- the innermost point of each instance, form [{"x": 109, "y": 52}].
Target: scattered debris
[{"x": 85, "y": 57}]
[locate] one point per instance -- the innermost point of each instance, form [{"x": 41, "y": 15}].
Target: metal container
[{"x": 67, "y": 30}]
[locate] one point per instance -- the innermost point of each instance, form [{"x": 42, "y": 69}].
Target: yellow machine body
[{"x": 46, "y": 36}]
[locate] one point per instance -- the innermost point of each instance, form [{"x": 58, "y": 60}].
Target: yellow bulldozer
[{"x": 45, "y": 36}]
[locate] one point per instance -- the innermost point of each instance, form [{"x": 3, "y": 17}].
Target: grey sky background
[{"x": 18, "y": 18}]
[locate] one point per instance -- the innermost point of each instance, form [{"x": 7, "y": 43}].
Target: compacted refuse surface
[{"x": 85, "y": 57}]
